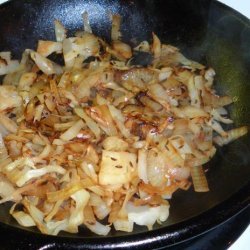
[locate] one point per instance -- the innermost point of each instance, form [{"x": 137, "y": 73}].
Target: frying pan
[{"x": 205, "y": 31}]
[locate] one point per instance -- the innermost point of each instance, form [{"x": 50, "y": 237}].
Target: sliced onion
[
  {"x": 9, "y": 97},
  {"x": 46, "y": 48},
  {"x": 8, "y": 123},
  {"x": 114, "y": 143},
  {"x": 122, "y": 49},
  {"x": 73, "y": 131},
  {"x": 142, "y": 165},
  {"x": 199, "y": 179},
  {"x": 86, "y": 24},
  {"x": 115, "y": 31},
  {"x": 143, "y": 46},
  {"x": 231, "y": 136},
  {"x": 156, "y": 47},
  {"x": 76, "y": 218},
  {"x": 6, "y": 64},
  {"x": 23, "y": 219},
  {"x": 48, "y": 67},
  {"x": 34, "y": 173},
  {"x": 147, "y": 216},
  {"x": 98, "y": 228},
  {"x": 89, "y": 122},
  {"x": 26, "y": 80},
  {"x": 123, "y": 225},
  {"x": 60, "y": 31}
]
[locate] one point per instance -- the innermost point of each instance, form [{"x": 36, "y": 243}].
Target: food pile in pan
[{"x": 100, "y": 141}]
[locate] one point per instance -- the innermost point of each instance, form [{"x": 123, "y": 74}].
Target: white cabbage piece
[
  {"x": 7, "y": 190},
  {"x": 98, "y": 228},
  {"x": 142, "y": 165},
  {"x": 8, "y": 123},
  {"x": 34, "y": 173},
  {"x": 54, "y": 227},
  {"x": 46, "y": 48},
  {"x": 116, "y": 167},
  {"x": 87, "y": 45},
  {"x": 101, "y": 209},
  {"x": 26, "y": 80},
  {"x": 123, "y": 225},
  {"x": 9, "y": 97},
  {"x": 45, "y": 65},
  {"x": 24, "y": 219},
  {"x": 114, "y": 143},
  {"x": 6, "y": 64},
  {"x": 146, "y": 215},
  {"x": 73, "y": 131},
  {"x": 19, "y": 163},
  {"x": 60, "y": 31},
  {"x": 76, "y": 218}
]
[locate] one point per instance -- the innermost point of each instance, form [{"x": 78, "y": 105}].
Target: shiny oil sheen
[{"x": 205, "y": 31}]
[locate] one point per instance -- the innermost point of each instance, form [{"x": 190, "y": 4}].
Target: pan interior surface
[{"x": 205, "y": 31}]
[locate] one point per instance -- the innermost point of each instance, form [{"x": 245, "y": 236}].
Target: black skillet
[{"x": 204, "y": 30}]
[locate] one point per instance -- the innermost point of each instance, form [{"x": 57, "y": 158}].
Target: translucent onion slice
[
  {"x": 123, "y": 225},
  {"x": 23, "y": 219},
  {"x": 231, "y": 136},
  {"x": 76, "y": 218},
  {"x": 64, "y": 193},
  {"x": 60, "y": 31},
  {"x": 46, "y": 48},
  {"x": 6, "y": 64},
  {"x": 45, "y": 65},
  {"x": 34, "y": 173},
  {"x": 73, "y": 131},
  {"x": 115, "y": 31},
  {"x": 86, "y": 24},
  {"x": 9, "y": 97},
  {"x": 98, "y": 228},
  {"x": 146, "y": 215},
  {"x": 114, "y": 143},
  {"x": 89, "y": 122},
  {"x": 199, "y": 179},
  {"x": 8, "y": 123},
  {"x": 119, "y": 119},
  {"x": 156, "y": 46}
]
